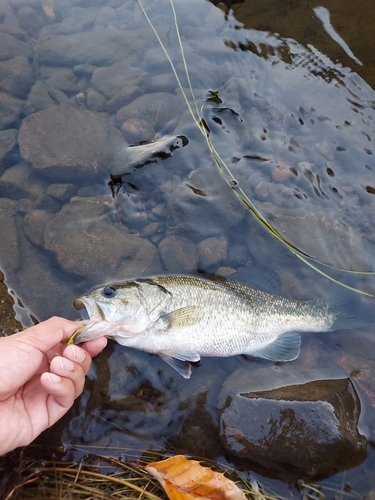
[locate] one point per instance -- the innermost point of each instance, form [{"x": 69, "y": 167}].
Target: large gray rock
[
  {"x": 87, "y": 244},
  {"x": 290, "y": 423},
  {"x": 16, "y": 77},
  {"x": 67, "y": 143}
]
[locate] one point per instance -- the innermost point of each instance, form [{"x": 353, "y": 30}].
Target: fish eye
[{"x": 109, "y": 292}]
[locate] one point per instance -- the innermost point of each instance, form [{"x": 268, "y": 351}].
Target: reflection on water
[{"x": 105, "y": 175}]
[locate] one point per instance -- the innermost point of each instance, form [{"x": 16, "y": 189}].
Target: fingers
[
  {"x": 47, "y": 334},
  {"x": 94, "y": 347},
  {"x": 66, "y": 378}
]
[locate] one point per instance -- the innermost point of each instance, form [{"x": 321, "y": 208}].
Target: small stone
[
  {"x": 9, "y": 251},
  {"x": 159, "y": 211},
  {"x": 39, "y": 98},
  {"x": 58, "y": 96},
  {"x": 11, "y": 47},
  {"x": 61, "y": 192},
  {"x": 262, "y": 190},
  {"x": 8, "y": 139},
  {"x": 137, "y": 131},
  {"x": 15, "y": 183},
  {"x": 281, "y": 172},
  {"x": 16, "y": 77},
  {"x": 24, "y": 206},
  {"x": 34, "y": 225},
  {"x": 95, "y": 100},
  {"x": 30, "y": 21},
  {"x": 238, "y": 255},
  {"x": 325, "y": 149},
  {"x": 178, "y": 254},
  {"x": 62, "y": 84},
  {"x": 85, "y": 70},
  {"x": 47, "y": 203},
  {"x": 151, "y": 229},
  {"x": 225, "y": 271},
  {"x": 212, "y": 251},
  {"x": 11, "y": 110}
]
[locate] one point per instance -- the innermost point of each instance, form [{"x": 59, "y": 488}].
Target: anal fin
[
  {"x": 285, "y": 348},
  {"x": 180, "y": 361}
]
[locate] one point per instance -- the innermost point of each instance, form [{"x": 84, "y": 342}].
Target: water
[{"x": 289, "y": 114}]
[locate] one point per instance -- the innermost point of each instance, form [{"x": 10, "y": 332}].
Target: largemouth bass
[{"x": 182, "y": 318}]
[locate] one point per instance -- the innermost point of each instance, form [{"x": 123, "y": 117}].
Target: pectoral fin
[
  {"x": 285, "y": 348},
  {"x": 184, "y": 317},
  {"x": 180, "y": 361}
]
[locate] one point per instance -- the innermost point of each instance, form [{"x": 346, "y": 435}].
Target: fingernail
[
  {"x": 66, "y": 364},
  {"x": 53, "y": 378},
  {"x": 78, "y": 354}
]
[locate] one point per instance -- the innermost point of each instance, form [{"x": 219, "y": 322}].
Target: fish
[{"x": 182, "y": 318}]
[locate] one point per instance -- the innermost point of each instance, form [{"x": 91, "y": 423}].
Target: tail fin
[{"x": 351, "y": 311}]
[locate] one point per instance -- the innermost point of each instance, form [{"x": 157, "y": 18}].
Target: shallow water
[{"x": 289, "y": 113}]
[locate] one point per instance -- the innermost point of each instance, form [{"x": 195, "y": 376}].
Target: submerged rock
[
  {"x": 17, "y": 182},
  {"x": 178, "y": 254},
  {"x": 323, "y": 235},
  {"x": 290, "y": 424},
  {"x": 120, "y": 84},
  {"x": 67, "y": 143},
  {"x": 16, "y": 76},
  {"x": 11, "y": 47},
  {"x": 212, "y": 251},
  {"x": 159, "y": 109},
  {"x": 9, "y": 251},
  {"x": 8, "y": 139},
  {"x": 99, "y": 47},
  {"x": 87, "y": 243},
  {"x": 11, "y": 110}
]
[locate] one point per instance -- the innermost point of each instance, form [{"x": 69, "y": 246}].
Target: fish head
[{"x": 115, "y": 310}]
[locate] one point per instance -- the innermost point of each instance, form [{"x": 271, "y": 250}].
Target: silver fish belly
[{"x": 182, "y": 318}]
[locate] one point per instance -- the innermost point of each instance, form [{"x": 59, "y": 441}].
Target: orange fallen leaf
[{"x": 184, "y": 479}]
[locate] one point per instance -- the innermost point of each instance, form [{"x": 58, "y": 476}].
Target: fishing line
[{"x": 228, "y": 174}]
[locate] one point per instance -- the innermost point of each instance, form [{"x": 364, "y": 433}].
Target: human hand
[{"x": 40, "y": 379}]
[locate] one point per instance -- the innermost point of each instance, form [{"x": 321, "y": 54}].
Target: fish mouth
[
  {"x": 93, "y": 316},
  {"x": 89, "y": 309}
]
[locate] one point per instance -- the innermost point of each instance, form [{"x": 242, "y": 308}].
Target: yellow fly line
[{"x": 228, "y": 174}]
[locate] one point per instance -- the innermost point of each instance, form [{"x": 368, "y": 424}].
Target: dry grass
[{"x": 95, "y": 477}]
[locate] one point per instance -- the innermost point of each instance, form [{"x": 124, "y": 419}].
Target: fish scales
[{"x": 182, "y": 318}]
